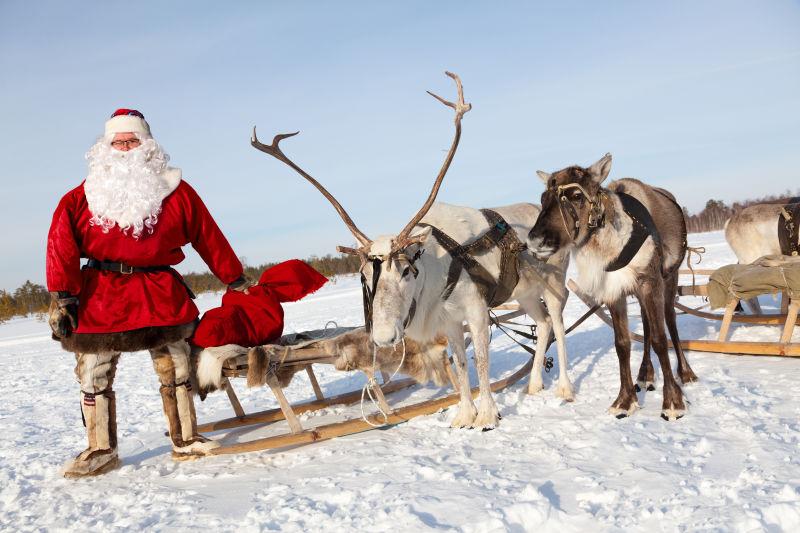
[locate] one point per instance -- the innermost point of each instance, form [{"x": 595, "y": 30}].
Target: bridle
[
  {"x": 596, "y": 211},
  {"x": 368, "y": 290}
]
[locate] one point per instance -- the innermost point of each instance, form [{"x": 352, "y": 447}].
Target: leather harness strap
[
  {"x": 643, "y": 227},
  {"x": 499, "y": 235},
  {"x": 788, "y": 226}
]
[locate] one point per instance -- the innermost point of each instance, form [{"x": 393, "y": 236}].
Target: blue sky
[{"x": 702, "y": 98}]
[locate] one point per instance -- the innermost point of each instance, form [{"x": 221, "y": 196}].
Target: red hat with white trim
[{"x": 128, "y": 121}]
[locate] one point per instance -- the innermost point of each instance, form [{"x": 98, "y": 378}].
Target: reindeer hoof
[
  {"x": 620, "y": 412},
  {"x": 670, "y": 415},
  {"x": 637, "y": 388},
  {"x": 484, "y": 430}
]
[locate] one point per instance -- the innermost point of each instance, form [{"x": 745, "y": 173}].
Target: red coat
[{"x": 112, "y": 301}]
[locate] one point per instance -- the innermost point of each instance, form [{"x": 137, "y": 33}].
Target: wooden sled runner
[
  {"x": 303, "y": 358},
  {"x": 782, "y": 347}
]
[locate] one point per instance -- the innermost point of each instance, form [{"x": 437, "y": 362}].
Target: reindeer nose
[{"x": 385, "y": 337}]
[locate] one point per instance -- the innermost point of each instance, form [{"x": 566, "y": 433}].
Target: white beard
[{"x": 126, "y": 189}]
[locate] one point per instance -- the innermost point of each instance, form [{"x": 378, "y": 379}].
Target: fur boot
[
  {"x": 98, "y": 407},
  {"x": 171, "y": 363}
]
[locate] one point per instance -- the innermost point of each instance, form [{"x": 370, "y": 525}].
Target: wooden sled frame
[
  {"x": 722, "y": 345},
  {"x": 772, "y": 319},
  {"x": 298, "y": 435}
]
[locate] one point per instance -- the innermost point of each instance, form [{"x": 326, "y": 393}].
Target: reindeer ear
[
  {"x": 544, "y": 176},
  {"x": 601, "y": 169},
  {"x": 423, "y": 234}
]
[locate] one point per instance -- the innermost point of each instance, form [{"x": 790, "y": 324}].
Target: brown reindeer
[{"x": 627, "y": 239}]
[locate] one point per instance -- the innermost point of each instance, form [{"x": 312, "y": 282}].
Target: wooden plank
[
  {"x": 357, "y": 425},
  {"x": 726, "y": 320},
  {"x": 693, "y": 290},
  {"x": 275, "y": 415},
  {"x": 732, "y": 348},
  {"x": 314, "y": 383},
  {"x": 743, "y": 348},
  {"x": 791, "y": 320},
  {"x": 766, "y": 320},
  {"x": 697, "y": 271},
  {"x": 288, "y": 413},
  {"x": 237, "y": 406}
]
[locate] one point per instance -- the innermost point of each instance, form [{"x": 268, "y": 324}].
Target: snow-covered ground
[{"x": 731, "y": 464}]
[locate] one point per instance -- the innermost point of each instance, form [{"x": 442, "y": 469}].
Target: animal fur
[
  {"x": 436, "y": 316},
  {"x": 651, "y": 275},
  {"x": 126, "y": 341},
  {"x": 753, "y": 232},
  {"x": 424, "y": 363}
]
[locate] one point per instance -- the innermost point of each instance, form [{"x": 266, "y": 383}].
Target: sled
[
  {"x": 781, "y": 347},
  {"x": 304, "y": 358},
  {"x": 764, "y": 319}
]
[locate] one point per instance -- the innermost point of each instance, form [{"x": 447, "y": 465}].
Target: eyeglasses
[{"x": 130, "y": 143}]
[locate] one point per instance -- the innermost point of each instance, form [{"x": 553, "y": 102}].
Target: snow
[{"x": 731, "y": 464}]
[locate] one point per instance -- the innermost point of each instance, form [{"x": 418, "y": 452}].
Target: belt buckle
[{"x": 122, "y": 269}]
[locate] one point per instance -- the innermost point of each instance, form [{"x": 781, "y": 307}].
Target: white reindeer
[
  {"x": 413, "y": 288},
  {"x": 754, "y": 232}
]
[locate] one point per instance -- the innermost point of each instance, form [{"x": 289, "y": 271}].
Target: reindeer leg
[
  {"x": 626, "y": 402},
  {"x": 685, "y": 372},
  {"x": 466, "y": 408},
  {"x": 555, "y": 306},
  {"x": 647, "y": 374},
  {"x": 488, "y": 415},
  {"x": 652, "y": 297},
  {"x": 534, "y": 309}
]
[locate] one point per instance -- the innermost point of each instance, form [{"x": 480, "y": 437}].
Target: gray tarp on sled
[{"x": 770, "y": 274}]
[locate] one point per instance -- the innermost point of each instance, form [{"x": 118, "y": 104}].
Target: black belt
[{"x": 122, "y": 268}]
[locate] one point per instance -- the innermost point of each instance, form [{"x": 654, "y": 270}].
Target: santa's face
[
  {"x": 125, "y": 185},
  {"x": 125, "y": 141}
]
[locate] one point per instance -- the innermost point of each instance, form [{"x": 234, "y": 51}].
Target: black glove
[
  {"x": 241, "y": 284},
  {"x": 63, "y": 314}
]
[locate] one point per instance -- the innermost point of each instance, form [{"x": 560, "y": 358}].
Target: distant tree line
[
  {"x": 327, "y": 265},
  {"x": 716, "y": 212},
  {"x": 30, "y": 298},
  {"x": 34, "y": 298}
]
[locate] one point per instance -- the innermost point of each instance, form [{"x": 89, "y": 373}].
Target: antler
[
  {"x": 402, "y": 240},
  {"x": 275, "y": 151}
]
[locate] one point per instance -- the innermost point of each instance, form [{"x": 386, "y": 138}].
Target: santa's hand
[
  {"x": 63, "y": 314},
  {"x": 241, "y": 284}
]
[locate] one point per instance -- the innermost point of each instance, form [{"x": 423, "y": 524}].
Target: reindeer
[
  {"x": 763, "y": 229},
  {"x": 627, "y": 239},
  {"x": 448, "y": 265}
]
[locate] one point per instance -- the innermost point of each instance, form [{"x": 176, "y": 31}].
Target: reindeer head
[
  {"x": 390, "y": 271},
  {"x": 572, "y": 208}
]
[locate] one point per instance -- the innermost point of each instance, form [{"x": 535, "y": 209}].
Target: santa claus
[{"x": 129, "y": 219}]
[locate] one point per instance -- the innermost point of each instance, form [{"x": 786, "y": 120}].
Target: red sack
[{"x": 257, "y": 318}]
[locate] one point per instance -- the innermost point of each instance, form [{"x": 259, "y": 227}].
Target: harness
[
  {"x": 642, "y": 222},
  {"x": 122, "y": 268},
  {"x": 368, "y": 289},
  {"x": 788, "y": 225},
  {"x": 642, "y": 228},
  {"x": 499, "y": 235},
  {"x": 494, "y": 292}
]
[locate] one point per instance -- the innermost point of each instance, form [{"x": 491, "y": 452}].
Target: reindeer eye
[
  {"x": 406, "y": 270},
  {"x": 577, "y": 195}
]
